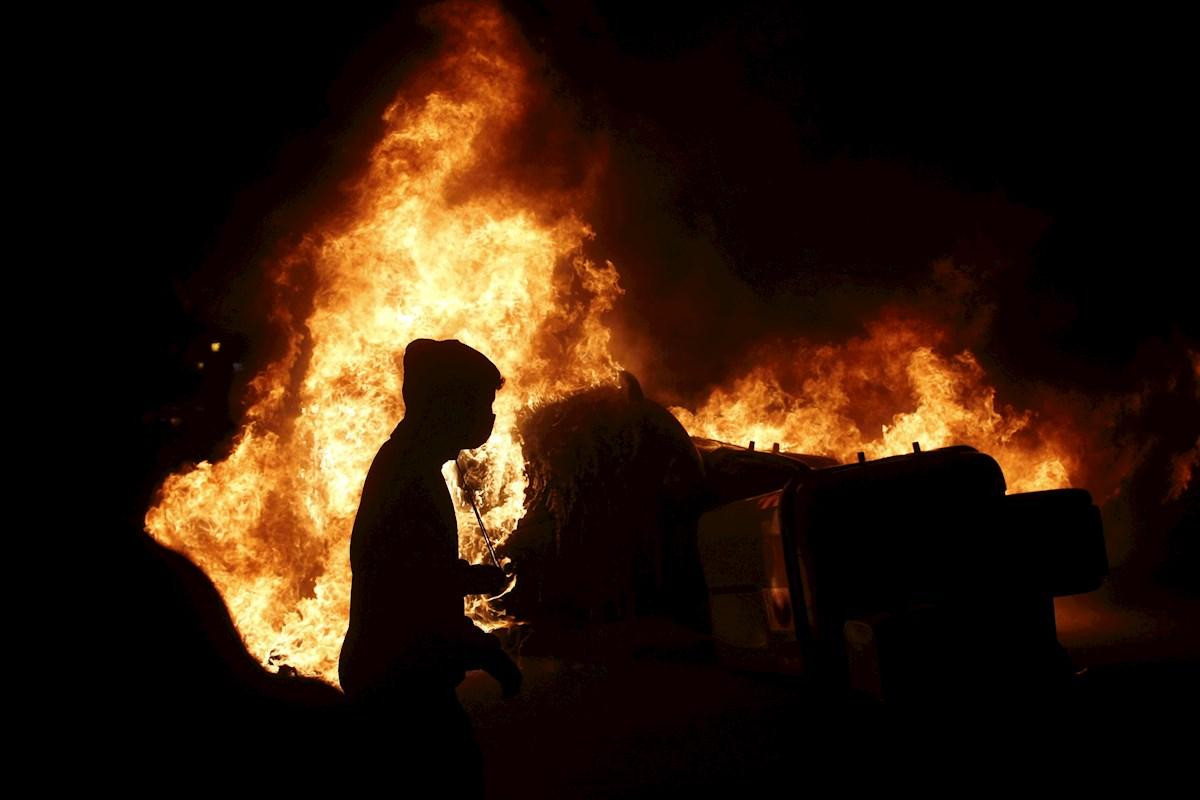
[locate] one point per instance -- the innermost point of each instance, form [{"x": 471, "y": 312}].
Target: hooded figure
[{"x": 409, "y": 644}]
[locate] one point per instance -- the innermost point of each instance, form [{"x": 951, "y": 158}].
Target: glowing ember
[{"x": 1183, "y": 470}]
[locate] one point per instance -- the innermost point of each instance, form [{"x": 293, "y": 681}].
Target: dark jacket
[{"x": 407, "y": 628}]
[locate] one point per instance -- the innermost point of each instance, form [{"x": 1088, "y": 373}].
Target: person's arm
[
  {"x": 481, "y": 650},
  {"x": 482, "y": 579}
]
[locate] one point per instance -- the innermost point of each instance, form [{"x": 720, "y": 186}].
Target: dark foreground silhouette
[
  {"x": 608, "y": 716},
  {"x": 185, "y": 703},
  {"x": 408, "y": 644}
]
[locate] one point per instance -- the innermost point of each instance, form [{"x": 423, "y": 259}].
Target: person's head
[{"x": 449, "y": 389}]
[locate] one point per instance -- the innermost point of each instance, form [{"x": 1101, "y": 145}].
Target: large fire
[
  {"x": 879, "y": 395},
  {"x": 432, "y": 247},
  {"x": 271, "y": 523}
]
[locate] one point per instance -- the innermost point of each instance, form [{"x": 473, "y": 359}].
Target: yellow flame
[
  {"x": 831, "y": 390},
  {"x": 270, "y": 523},
  {"x": 431, "y": 247}
]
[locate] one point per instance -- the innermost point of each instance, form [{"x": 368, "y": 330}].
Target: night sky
[{"x": 767, "y": 169}]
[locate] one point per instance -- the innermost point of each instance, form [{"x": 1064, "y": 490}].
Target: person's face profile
[{"x": 480, "y": 419}]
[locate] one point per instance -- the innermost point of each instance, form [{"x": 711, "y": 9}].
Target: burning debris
[
  {"x": 878, "y": 394},
  {"x": 615, "y": 487},
  {"x": 892, "y": 575},
  {"x": 433, "y": 243},
  {"x": 420, "y": 252}
]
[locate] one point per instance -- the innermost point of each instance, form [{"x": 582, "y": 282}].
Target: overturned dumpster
[{"x": 908, "y": 578}]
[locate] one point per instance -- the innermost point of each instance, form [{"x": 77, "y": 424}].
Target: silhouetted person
[{"x": 409, "y": 644}]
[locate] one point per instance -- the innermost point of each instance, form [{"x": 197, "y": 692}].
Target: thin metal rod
[
  {"x": 482, "y": 529},
  {"x": 470, "y": 495}
]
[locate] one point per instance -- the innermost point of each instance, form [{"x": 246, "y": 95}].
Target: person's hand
[
  {"x": 505, "y": 671},
  {"x": 510, "y": 679},
  {"x": 488, "y": 580}
]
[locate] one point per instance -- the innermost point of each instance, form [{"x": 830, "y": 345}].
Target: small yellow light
[{"x": 216, "y": 347}]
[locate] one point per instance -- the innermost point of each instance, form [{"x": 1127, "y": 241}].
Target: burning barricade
[
  {"x": 912, "y": 577},
  {"x": 907, "y": 576}
]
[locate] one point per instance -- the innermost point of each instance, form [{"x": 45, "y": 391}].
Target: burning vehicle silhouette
[
  {"x": 599, "y": 497},
  {"x": 908, "y": 578}
]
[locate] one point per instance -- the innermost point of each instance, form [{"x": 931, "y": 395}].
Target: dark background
[{"x": 769, "y": 171}]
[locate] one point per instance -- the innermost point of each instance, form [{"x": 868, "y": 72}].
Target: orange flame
[
  {"x": 429, "y": 248},
  {"x": 270, "y": 524},
  {"x": 839, "y": 400}
]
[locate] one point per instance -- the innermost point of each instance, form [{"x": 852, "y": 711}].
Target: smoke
[
  {"x": 776, "y": 183},
  {"x": 732, "y": 180}
]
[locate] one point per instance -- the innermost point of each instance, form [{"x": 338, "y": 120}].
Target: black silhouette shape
[{"x": 409, "y": 644}]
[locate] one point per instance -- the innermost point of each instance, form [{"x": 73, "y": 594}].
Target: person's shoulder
[
  {"x": 390, "y": 457},
  {"x": 396, "y": 468}
]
